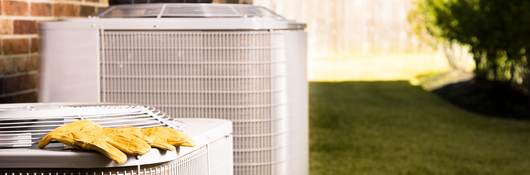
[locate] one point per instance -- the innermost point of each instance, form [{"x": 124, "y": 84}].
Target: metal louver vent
[
  {"x": 239, "y": 76},
  {"x": 23, "y": 128},
  {"x": 194, "y": 163},
  {"x": 188, "y": 10},
  {"x": 195, "y": 11}
]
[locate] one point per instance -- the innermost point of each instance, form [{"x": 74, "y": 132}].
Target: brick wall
[{"x": 19, "y": 41}]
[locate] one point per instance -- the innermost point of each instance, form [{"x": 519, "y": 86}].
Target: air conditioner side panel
[
  {"x": 69, "y": 65},
  {"x": 220, "y": 156},
  {"x": 297, "y": 101}
]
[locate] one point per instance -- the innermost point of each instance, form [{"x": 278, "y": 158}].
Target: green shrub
[{"x": 496, "y": 31}]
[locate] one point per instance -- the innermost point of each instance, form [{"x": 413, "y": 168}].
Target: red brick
[
  {"x": 65, "y": 10},
  {"x": 10, "y": 84},
  {"x": 6, "y": 27},
  {"x": 87, "y": 11},
  {"x": 23, "y": 64},
  {"x": 34, "y": 80},
  {"x": 7, "y": 66},
  {"x": 15, "y": 46},
  {"x": 25, "y": 27},
  {"x": 2, "y": 83},
  {"x": 3, "y": 66},
  {"x": 26, "y": 98},
  {"x": 15, "y": 8},
  {"x": 35, "y": 45},
  {"x": 34, "y": 62},
  {"x": 19, "y": 64},
  {"x": 21, "y": 98},
  {"x": 41, "y": 9},
  {"x": 19, "y": 83}
]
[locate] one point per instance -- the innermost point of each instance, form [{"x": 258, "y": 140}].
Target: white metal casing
[
  {"x": 213, "y": 149},
  {"x": 72, "y": 72},
  {"x": 212, "y": 153}
]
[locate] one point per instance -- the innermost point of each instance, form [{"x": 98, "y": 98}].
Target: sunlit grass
[
  {"x": 375, "y": 67},
  {"x": 381, "y": 128}
]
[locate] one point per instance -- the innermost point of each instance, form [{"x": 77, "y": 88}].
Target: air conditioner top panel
[
  {"x": 180, "y": 17},
  {"x": 202, "y": 131},
  {"x": 182, "y": 10},
  {"x": 22, "y": 124}
]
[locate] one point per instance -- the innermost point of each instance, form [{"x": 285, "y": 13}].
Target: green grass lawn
[{"x": 395, "y": 128}]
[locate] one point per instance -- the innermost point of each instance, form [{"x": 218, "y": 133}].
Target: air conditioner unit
[
  {"x": 243, "y": 63},
  {"x": 22, "y": 125}
]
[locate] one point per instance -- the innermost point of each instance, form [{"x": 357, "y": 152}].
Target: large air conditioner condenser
[
  {"x": 243, "y": 63},
  {"x": 22, "y": 125}
]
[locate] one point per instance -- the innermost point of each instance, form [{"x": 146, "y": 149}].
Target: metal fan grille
[
  {"x": 23, "y": 127},
  {"x": 239, "y": 76},
  {"x": 193, "y": 163}
]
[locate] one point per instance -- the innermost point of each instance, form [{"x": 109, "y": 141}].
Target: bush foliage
[{"x": 496, "y": 31}]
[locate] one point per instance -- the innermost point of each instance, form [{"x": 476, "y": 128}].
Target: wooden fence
[{"x": 342, "y": 28}]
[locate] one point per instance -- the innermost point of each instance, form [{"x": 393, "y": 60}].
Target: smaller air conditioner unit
[
  {"x": 237, "y": 62},
  {"x": 22, "y": 125}
]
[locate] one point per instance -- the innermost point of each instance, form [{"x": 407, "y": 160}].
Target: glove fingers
[
  {"x": 178, "y": 138},
  {"x": 66, "y": 139},
  {"x": 63, "y": 133},
  {"x": 180, "y": 142},
  {"x": 131, "y": 145},
  {"x": 136, "y": 132},
  {"x": 127, "y": 140},
  {"x": 167, "y": 136},
  {"x": 105, "y": 148},
  {"x": 185, "y": 142},
  {"x": 44, "y": 141},
  {"x": 163, "y": 145},
  {"x": 158, "y": 138}
]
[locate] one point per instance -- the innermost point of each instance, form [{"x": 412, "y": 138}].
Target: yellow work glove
[
  {"x": 129, "y": 140},
  {"x": 87, "y": 135},
  {"x": 166, "y": 138},
  {"x": 115, "y": 143}
]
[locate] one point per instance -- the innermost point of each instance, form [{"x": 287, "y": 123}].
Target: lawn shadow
[{"x": 487, "y": 98}]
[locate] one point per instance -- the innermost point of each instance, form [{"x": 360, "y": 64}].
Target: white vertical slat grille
[
  {"x": 239, "y": 76},
  {"x": 194, "y": 163}
]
